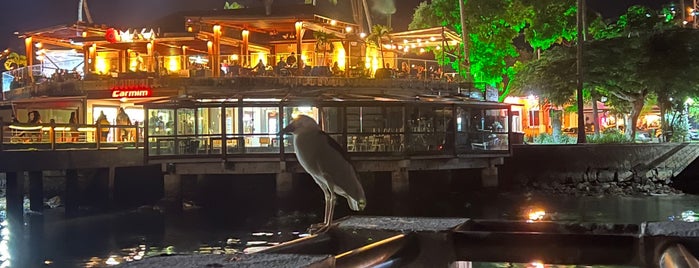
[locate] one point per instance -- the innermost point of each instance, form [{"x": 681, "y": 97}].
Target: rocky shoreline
[{"x": 653, "y": 182}]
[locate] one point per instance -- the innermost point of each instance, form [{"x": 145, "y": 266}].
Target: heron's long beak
[{"x": 289, "y": 129}]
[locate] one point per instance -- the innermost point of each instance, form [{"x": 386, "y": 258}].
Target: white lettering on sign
[{"x": 130, "y": 93}]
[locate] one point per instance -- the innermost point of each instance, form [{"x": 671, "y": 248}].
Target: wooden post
[
  {"x": 86, "y": 60},
  {"x": 71, "y": 197},
  {"x": 400, "y": 181},
  {"x": 2, "y": 134},
  {"x": 29, "y": 50},
  {"x": 110, "y": 186},
  {"x": 98, "y": 135},
  {"x": 173, "y": 189},
  {"x": 246, "y": 49},
  {"x": 299, "y": 38},
  {"x": 36, "y": 191},
  {"x": 52, "y": 135},
  {"x": 285, "y": 181},
  {"x": 216, "y": 59},
  {"x": 489, "y": 175},
  {"x": 13, "y": 189}
]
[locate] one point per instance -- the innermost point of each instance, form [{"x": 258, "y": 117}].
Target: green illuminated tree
[
  {"x": 552, "y": 22},
  {"x": 492, "y": 28}
]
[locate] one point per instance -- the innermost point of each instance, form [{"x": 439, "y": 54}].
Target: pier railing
[{"x": 61, "y": 136}]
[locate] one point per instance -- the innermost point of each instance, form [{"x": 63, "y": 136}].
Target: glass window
[
  {"x": 533, "y": 118},
  {"x": 209, "y": 120},
  {"x": 185, "y": 121},
  {"x": 496, "y": 120},
  {"x": 161, "y": 121},
  {"x": 333, "y": 119},
  {"x": 292, "y": 112},
  {"x": 260, "y": 120},
  {"x": 136, "y": 114},
  {"x": 232, "y": 120},
  {"x": 430, "y": 118},
  {"x": 377, "y": 119}
]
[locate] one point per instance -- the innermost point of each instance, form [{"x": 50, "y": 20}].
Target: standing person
[
  {"x": 291, "y": 60},
  {"x": 35, "y": 118},
  {"x": 103, "y": 124},
  {"x": 123, "y": 119},
  {"x": 73, "y": 121}
]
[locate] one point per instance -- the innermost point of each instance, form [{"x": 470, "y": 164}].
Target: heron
[{"x": 327, "y": 162}]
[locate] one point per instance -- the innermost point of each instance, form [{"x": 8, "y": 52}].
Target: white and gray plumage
[{"x": 326, "y": 161}]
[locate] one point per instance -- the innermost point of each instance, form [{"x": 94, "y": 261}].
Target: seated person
[
  {"x": 260, "y": 68},
  {"x": 234, "y": 69},
  {"x": 336, "y": 69},
  {"x": 281, "y": 66}
]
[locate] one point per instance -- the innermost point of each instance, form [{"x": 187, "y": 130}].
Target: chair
[
  {"x": 352, "y": 144},
  {"x": 377, "y": 144}
]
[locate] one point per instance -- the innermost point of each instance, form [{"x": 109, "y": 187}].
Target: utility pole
[
  {"x": 579, "y": 90},
  {"x": 694, "y": 15},
  {"x": 83, "y": 6},
  {"x": 464, "y": 38}
]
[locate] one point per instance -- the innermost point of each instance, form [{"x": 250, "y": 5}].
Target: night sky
[{"x": 35, "y": 14}]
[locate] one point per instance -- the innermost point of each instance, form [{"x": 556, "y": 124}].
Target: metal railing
[
  {"x": 56, "y": 136},
  {"x": 379, "y": 143}
]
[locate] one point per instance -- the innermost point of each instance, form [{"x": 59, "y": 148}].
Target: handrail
[{"x": 55, "y": 136}]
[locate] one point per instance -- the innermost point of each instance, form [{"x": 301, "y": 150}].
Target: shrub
[
  {"x": 609, "y": 136},
  {"x": 545, "y": 138}
]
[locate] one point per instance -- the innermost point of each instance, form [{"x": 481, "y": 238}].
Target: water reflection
[
  {"x": 106, "y": 240},
  {"x": 4, "y": 243}
]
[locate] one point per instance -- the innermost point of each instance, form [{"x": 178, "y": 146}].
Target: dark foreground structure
[{"x": 455, "y": 242}]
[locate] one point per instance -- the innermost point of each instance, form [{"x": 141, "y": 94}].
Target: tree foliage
[
  {"x": 640, "y": 56},
  {"x": 378, "y": 33},
  {"x": 493, "y": 27},
  {"x": 15, "y": 60}
]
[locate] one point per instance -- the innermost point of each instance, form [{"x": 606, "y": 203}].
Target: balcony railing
[{"x": 20, "y": 136}]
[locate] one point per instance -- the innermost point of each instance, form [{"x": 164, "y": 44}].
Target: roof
[
  {"x": 429, "y": 37},
  {"x": 387, "y": 96}
]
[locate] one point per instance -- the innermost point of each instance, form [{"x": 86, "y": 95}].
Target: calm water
[{"x": 104, "y": 240}]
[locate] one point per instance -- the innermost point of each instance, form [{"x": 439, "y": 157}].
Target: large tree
[
  {"x": 492, "y": 28},
  {"x": 639, "y": 57}
]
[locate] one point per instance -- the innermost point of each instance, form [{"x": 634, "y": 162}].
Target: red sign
[
  {"x": 132, "y": 92},
  {"x": 111, "y": 35}
]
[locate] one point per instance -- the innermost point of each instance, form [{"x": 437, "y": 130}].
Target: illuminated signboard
[{"x": 132, "y": 92}]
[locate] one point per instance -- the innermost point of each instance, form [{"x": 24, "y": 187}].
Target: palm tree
[
  {"x": 323, "y": 42},
  {"x": 15, "y": 60},
  {"x": 378, "y": 32}
]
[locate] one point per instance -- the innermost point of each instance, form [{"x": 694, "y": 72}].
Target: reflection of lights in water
[
  {"x": 535, "y": 215},
  {"x": 536, "y": 264},
  {"x": 686, "y": 216},
  {"x": 262, "y": 234},
  {"x": 256, "y": 243},
  {"x": 4, "y": 243},
  {"x": 112, "y": 261}
]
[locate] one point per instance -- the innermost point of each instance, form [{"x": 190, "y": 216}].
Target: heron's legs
[{"x": 330, "y": 206}]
